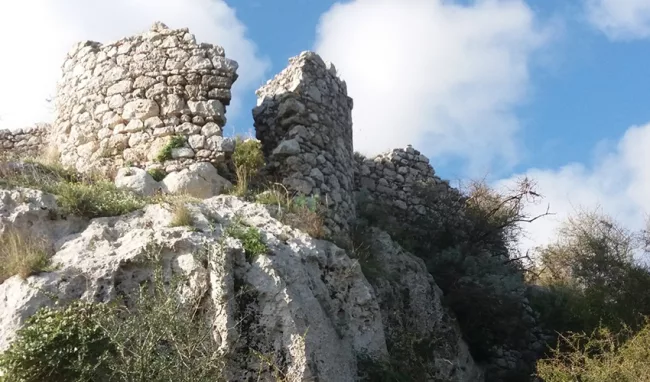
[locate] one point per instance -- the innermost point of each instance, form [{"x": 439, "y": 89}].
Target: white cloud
[
  {"x": 35, "y": 35},
  {"x": 441, "y": 76},
  {"x": 617, "y": 184},
  {"x": 620, "y": 19}
]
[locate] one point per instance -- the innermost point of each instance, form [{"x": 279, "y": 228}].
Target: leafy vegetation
[
  {"x": 157, "y": 174},
  {"x": 59, "y": 345},
  {"x": 599, "y": 357},
  {"x": 165, "y": 153},
  {"x": 251, "y": 240},
  {"x": 158, "y": 339},
  {"x": 248, "y": 160}
]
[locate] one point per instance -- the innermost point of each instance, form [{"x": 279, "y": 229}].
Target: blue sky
[
  {"x": 555, "y": 90},
  {"x": 585, "y": 91}
]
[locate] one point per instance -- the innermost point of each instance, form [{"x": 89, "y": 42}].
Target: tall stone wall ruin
[
  {"x": 304, "y": 121},
  {"x": 122, "y": 102}
]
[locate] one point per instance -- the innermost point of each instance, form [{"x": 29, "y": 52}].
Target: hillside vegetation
[{"x": 575, "y": 310}]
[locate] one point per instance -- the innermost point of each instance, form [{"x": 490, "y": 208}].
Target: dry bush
[
  {"x": 22, "y": 255},
  {"x": 182, "y": 216},
  {"x": 298, "y": 211},
  {"x": 600, "y": 357}
]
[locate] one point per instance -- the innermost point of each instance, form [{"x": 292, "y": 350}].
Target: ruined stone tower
[
  {"x": 122, "y": 102},
  {"x": 304, "y": 120}
]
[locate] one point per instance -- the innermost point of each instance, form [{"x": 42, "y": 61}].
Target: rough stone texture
[
  {"x": 306, "y": 298},
  {"x": 27, "y": 142},
  {"x": 137, "y": 180},
  {"x": 393, "y": 178},
  {"x": 200, "y": 180},
  {"x": 304, "y": 122},
  {"x": 414, "y": 317},
  {"x": 33, "y": 213},
  {"x": 121, "y": 102}
]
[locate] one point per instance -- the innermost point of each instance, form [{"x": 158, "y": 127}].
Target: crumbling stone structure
[
  {"x": 122, "y": 102},
  {"x": 29, "y": 141},
  {"x": 394, "y": 176},
  {"x": 304, "y": 121}
]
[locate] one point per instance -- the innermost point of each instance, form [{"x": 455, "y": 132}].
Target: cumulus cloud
[
  {"x": 617, "y": 183},
  {"x": 620, "y": 19},
  {"x": 35, "y": 36},
  {"x": 442, "y": 76}
]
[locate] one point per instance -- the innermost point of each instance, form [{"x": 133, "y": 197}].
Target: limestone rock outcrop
[
  {"x": 200, "y": 180},
  {"x": 306, "y": 298},
  {"x": 136, "y": 180}
]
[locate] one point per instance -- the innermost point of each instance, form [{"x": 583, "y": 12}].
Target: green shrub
[
  {"x": 603, "y": 356},
  {"x": 157, "y": 174},
  {"x": 155, "y": 337},
  {"x": 165, "y": 153},
  {"x": 592, "y": 278},
  {"x": 58, "y": 345},
  {"x": 250, "y": 238},
  {"x": 248, "y": 160},
  {"x": 21, "y": 255}
]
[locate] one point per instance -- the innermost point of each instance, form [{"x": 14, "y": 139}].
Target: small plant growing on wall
[
  {"x": 248, "y": 160},
  {"x": 166, "y": 152},
  {"x": 157, "y": 174}
]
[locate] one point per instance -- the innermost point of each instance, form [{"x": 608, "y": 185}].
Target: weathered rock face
[
  {"x": 137, "y": 180},
  {"x": 122, "y": 102},
  {"x": 420, "y": 333},
  {"x": 305, "y": 299},
  {"x": 200, "y": 180},
  {"x": 304, "y": 121}
]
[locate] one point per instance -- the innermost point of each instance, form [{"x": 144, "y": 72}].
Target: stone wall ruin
[
  {"x": 304, "y": 121},
  {"x": 121, "y": 103},
  {"x": 29, "y": 141}
]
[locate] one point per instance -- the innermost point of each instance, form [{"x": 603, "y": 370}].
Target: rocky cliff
[{"x": 307, "y": 304}]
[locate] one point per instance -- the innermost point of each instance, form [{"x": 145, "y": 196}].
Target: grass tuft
[
  {"x": 20, "y": 255},
  {"x": 88, "y": 196},
  {"x": 301, "y": 212},
  {"x": 157, "y": 174},
  {"x": 182, "y": 216}
]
